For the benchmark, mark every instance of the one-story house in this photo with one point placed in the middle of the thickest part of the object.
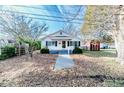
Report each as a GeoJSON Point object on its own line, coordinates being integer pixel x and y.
{"type": "Point", "coordinates": [60, 40]}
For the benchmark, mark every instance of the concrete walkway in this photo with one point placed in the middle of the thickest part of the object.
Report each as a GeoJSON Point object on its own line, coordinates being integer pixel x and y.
{"type": "Point", "coordinates": [64, 61]}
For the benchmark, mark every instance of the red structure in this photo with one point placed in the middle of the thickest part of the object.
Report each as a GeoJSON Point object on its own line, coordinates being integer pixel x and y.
{"type": "Point", "coordinates": [95, 45]}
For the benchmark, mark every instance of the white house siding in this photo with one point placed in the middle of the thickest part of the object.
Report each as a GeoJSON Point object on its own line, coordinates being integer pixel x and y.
{"type": "Point", "coordinates": [59, 38]}
{"type": "Point", "coordinates": [59, 45]}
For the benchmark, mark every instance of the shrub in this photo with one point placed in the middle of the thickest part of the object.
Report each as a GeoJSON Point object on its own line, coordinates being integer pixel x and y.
{"type": "Point", "coordinates": [44, 51]}
{"type": "Point", "coordinates": [7, 52]}
{"type": "Point", "coordinates": [37, 45]}
{"type": "Point", "coordinates": [77, 51]}
{"type": "Point", "coordinates": [3, 56]}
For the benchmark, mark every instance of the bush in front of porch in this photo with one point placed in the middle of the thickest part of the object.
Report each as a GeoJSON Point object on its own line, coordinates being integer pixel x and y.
{"type": "Point", "coordinates": [44, 51]}
{"type": "Point", "coordinates": [77, 50]}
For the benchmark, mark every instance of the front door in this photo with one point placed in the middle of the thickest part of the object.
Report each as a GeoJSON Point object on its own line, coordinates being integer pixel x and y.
{"type": "Point", "coordinates": [63, 44]}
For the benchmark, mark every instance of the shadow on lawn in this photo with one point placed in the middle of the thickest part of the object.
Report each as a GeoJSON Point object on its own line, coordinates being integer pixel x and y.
{"type": "Point", "coordinates": [108, 80]}
{"type": "Point", "coordinates": [99, 54]}
{"type": "Point", "coordinates": [103, 73]}
{"type": "Point", "coordinates": [103, 78]}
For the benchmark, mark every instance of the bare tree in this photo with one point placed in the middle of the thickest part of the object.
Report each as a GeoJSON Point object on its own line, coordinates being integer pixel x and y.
{"type": "Point", "coordinates": [73, 30]}
{"type": "Point", "coordinates": [24, 29]}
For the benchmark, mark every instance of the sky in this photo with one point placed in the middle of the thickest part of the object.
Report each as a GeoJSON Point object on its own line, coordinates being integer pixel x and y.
{"type": "Point", "coordinates": [50, 14]}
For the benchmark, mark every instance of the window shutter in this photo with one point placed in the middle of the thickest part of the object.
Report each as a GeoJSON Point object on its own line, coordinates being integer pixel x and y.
{"type": "Point", "coordinates": [55, 43]}
{"type": "Point", "coordinates": [46, 43]}
{"type": "Point", "coordinates": [79, 43]}
{"type": "Point", "coordinates": [68, 43]}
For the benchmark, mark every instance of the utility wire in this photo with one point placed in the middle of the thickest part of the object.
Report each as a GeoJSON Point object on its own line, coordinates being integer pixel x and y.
{"type": "Point", "coordinates": [68, 19]}
{"type": "Point", "coordinates": [44, 18]}
{"type": "Point", "coordinates": [74, 18]}
{"type": "Point", "coordinates": [53, 20]}
{"type": "Point", "coordinates": [78, 19]}
{"type": "Point", "coordinates": [49, 9]}
{"type": "Point", "coordinates": [42, 9]}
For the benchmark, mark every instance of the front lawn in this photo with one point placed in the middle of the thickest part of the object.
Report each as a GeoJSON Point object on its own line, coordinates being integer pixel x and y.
{"type": "Point", "coordinates": [101, 66]}
{"type": "Point", "coordinates": [91, 69]}
{"type": "Point", "coordinates": [101, 53]}
{"type": "Point", "coordinates": [13, 72]}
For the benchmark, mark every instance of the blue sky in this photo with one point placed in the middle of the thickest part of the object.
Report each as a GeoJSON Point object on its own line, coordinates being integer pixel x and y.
{"type": "Point", "coordinates": [64, 12]}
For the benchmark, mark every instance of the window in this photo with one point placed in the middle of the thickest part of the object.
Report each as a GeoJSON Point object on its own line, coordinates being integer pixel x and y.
{"type": "Point", "coordinates": [10, 41]}
{"type": "Point", "coordinates": [71, 43]}
{"type": "Point", "coordinates": [60, 33]}
{"type": "Point", "coordinates": [48, 43]}
{"type": "Point", "coordinates": [51, 43]}
{"type": "Point", "coordinates": [75, 43]}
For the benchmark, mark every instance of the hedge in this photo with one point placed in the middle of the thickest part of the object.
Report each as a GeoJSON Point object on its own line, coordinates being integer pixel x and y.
{"type": "Point", "coordinates": [44, 51]}
{"type": "Point", "coordinates": [77, 51]}
{"type": "Point", "coordinates": [7, 52]}
{"type": "Point", "coordinates": [3, 56]}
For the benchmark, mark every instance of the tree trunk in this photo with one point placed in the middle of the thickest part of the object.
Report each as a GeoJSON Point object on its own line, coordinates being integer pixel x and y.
{"type": "Point", "coordinates": [19, 49]}
{"type": "Point", "coordinates": [119, 44]}
{"type": "Point", "coordinates": [31, 51]}
{"type": "Point", "coordinates": [120, 52]}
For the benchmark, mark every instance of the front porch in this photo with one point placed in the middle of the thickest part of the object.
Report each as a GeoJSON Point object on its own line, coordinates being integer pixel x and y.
{"type": "Point", "coordinates": [61, 51]}
{"type": "Point", "coordinates": [62, 45]}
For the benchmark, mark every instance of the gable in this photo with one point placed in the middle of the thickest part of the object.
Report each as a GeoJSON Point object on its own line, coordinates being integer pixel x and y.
{"type": "Point", "coordinates": [60, 34]}
{"type": "Point", "coordinates": [57, 35]}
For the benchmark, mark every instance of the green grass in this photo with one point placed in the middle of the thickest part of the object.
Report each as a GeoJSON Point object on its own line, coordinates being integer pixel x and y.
{"type": "Point", "coordinates": [101, 53]}
{"type": "Point", "coordinates": [114, 83]}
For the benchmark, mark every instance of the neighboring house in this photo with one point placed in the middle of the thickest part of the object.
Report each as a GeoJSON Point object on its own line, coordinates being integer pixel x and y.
{"type": "Point", "coordinates": [103, 45]}
{"type": "Point", "coordinates": [107, 45]}
{"type": "Point", "coordinates": [5, 42]}
{"type": "Point", "coordinates": [60, 41]}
